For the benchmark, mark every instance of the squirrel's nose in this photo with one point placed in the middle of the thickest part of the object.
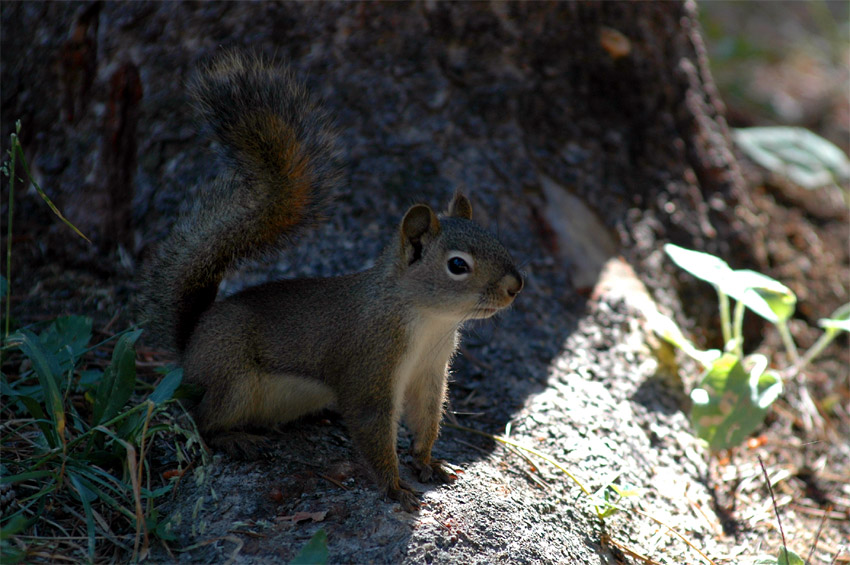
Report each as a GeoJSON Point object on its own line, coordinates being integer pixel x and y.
{"type": "Point", "coordinates": [512, 283]}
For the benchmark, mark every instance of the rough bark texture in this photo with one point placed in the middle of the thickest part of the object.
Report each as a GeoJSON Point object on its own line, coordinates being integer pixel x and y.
{"type": "Point", "coordinates": [551, 115]}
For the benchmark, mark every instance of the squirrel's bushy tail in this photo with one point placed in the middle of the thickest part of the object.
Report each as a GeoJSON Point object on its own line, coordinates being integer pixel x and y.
{"type": "Point", "coordinates": [281, 169]}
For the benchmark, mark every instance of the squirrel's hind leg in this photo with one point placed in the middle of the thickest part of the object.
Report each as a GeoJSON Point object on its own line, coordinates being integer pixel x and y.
{"type": "Point", "coordinates": [221, 417]}
{"type": "Point", "coordinates": [241, 445]}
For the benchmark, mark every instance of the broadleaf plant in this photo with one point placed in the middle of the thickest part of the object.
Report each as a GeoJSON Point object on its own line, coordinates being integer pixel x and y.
{"type": "Point", "coordinates": [88, 457]}
{"type": "Point", "coordinates": [735, 391]}
{"type": "Point", "coordinates": [730, 402]}
{"type": "Point", "coordinates": [804, 157]}
{"type": "Point", "coordinates": [315, 552]}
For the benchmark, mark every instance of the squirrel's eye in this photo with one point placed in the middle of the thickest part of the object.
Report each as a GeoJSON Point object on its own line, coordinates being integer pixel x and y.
{"type": "Point", "coordinates": [458, 266]}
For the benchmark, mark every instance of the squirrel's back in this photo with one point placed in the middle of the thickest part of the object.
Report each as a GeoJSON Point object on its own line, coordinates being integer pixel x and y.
{"type": "Point", "coordinates": [280, 170]}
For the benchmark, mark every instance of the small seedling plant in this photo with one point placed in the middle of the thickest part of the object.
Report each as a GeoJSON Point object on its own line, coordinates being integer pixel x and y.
{"type": "Point", "coordinates": [736, 390]}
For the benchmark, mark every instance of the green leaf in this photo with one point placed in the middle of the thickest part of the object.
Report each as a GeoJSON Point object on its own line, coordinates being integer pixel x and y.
{"type": "Point", "coordinates": [668, 330]}
{"type": "Point", "coordinates": [15, 526]}
{"type": "Point", "coordinates": [160, 528]}
{"type": "Point", "coordinates": [11, 555]}
{"type": "Point", "coordinates": [703, 266]}
{"type": "Point", "coordinates": [604, 510]}
{"type": "Point", "coordinates": [118, 380]}
{"type": "Point", "coordinates": [47, 369]}
{"type": "Point", "coordinates": [34, 408]}
{"type": "Point", "coordinates": [606, 503]}
{"type": "Point", "coordinates": [764, 295]}
{"type": "Point", "coordinates": [838, 321]}
{"type": "Point", "coordinates": [69, 335]}
{"type": "Point", "coordinates": [729, 404]}
{"type": "Point", "coordinates": [788, 557]}
{"type": "Point", "coordinates": [315, 552]}
{"type": "Point", "coordinates": [89, 378]}
{"type": "Point", "coordinates": [156, 493]}
{"type": "Point", "coordinates": [626, 490]}
{"type": "Point", "coordinates": [166, 387]}
{"type": "Point", "coordinates": [796, 153]}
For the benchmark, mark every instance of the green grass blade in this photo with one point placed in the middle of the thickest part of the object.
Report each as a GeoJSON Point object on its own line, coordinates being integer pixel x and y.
{"type": "Point", "coordinates": [48, 372]}
{"type": "Point", "coordinates": [8, 293]}
{"type": "Point", "coordinates": [17, 147]}
{"type": "Point", "coordinates": [86, 496]}
{"type": "Point", "coordinates": [107, 340]}
{"type": "Point", "coordinates": [104, 478]}
{"type": "Point", "coordinates": [27, 476]}
{"type": "Point", "coordinates": [112, 489]}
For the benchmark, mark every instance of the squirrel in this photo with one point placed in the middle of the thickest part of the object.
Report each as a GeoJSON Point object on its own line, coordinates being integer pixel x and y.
{"type": "Point", "coordinates": [376, 344]}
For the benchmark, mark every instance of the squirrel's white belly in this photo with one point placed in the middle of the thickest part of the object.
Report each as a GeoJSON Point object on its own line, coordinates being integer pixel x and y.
{"type": "Point", "coordinates": [431, 345]}
{"type": "Point", "coordinates": [288, 397]}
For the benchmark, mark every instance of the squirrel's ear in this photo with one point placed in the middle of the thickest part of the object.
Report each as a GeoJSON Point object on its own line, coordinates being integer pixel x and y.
{"type": "Point", "coordinates": [419, 221]}
{"type": "Point", "coordinates": [460, 207]}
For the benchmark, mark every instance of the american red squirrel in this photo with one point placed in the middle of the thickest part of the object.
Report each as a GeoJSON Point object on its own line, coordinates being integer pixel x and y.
{"type": "Point", "coordinates": [377, 343]}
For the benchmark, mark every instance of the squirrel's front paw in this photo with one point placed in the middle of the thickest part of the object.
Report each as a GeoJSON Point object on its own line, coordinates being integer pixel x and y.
{"type": "Point", "coordinates": [405, 496]}
{"type": "Point", "coordinates": [436, 470]}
